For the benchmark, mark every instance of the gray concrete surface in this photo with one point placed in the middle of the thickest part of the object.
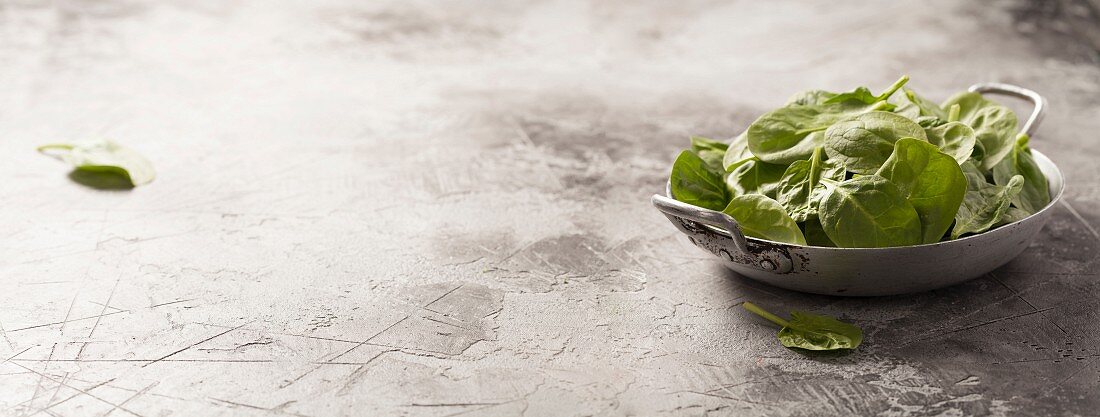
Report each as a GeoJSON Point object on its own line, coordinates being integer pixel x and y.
{"type": "Point", "coordinates": [416, 208]}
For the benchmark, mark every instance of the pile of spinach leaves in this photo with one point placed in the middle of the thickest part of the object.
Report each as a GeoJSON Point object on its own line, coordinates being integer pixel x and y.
{"type": "Point", "coordinates": [864, 170]}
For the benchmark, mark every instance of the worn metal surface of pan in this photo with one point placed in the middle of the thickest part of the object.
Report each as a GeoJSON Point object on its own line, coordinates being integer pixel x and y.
{"type": "Point", "coordinates": [870, 271]}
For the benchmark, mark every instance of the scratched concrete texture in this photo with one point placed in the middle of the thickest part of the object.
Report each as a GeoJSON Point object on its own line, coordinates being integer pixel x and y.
{"type": "Point", "coordinates": [441, 208]}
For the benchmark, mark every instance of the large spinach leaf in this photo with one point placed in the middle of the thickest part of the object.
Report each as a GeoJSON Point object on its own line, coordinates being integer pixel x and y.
{"type": "Point", "coordinates": [811, 331]}
{"type": "Point", "coordinates": [1035, 193]}
{"type": "Point", "coordinates": [800, 188]}
{"type": "Point", "coordinates": [994, 125]}
{"type": "Point", "coordinates": [755, 177]}
{"type": "Point", "coordinates": [762, 217]}
{"type": "Point", "coordinates": [984, 204]}
{"type": "Point", "coordinates": [696, 182]}
{"type": "Point", "coordinates": [863, 142]}
{"type": "Point", "coordinates": [869, 212]}
{"type": "Point", "coordinates": [792, 132]}
{"type": "Point", "coordinates": [737, 153]}
{"type": "Point", "coordinates": [930, 180]}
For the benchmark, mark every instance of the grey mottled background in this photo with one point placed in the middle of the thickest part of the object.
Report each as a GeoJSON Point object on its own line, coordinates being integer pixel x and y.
{"type": "Point", "coordinates": [441, 208]}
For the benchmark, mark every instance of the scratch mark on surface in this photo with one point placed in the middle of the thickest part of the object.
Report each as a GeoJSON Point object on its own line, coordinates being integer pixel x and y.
{"type": "Point", "coordinates": [66, 321]}
{"type": "Point", "coordinates": [15, 355]}
{"type": "Point", "coordinates": [42, 376]}
{"type": "Point", "coordinates": [136, 394]}
{"type": "Point", "coordinates": [374, 336]}
{"type": "Point", "coordinates": [51, 405]}
{"type": "Point", "coordinates": [106, 304]}
{"type": "Point", "coordinates": [6, 338]}
{"type": "Point", "coordinates": [444, 295]}
{"type": "Point", "coordinates": [726, 397]}
{"type": "Point", "coordinates": [85, 392]}
{"type": "Point", "coordinates": [277, 409]}
{"type": "Point", "coordinates": [64, 379]}
{"type": "Point", "coordinates": [1021, 297]}
{"type": "Point", "coordinates": [997, 320]}
{"type": "Point", "coordinates": [194, 344]}
{"type": "Point", "coordinates": [488, 407]}
{"type": "Point", "coordinates": [171, 302]}
{"type": "Point", "coordinates": [1074, 212]}
{"type": "Point", "coordinates": [358, 373]}
{"type": "Point", "coordinates": [68, 313]}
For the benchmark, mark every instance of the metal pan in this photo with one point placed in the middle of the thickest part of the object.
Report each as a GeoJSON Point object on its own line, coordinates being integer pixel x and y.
{"type": "Point", "coordinates": [869, 271]}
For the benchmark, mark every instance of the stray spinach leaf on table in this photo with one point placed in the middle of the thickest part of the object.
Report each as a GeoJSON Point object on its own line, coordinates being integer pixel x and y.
{"type": "Point", "coordinates": [104, 156]}
{"type": "Point", "coordinates": [811, 331]}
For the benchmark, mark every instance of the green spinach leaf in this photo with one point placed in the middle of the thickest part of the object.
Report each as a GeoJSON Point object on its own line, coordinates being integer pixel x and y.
{"type": "Point", "coordinates": [792, 132]}
{"type": "Point", "coordinates": [953, 138]}
{"type": "Point", "coordinates": [1035, 193]}
{"type": "Point", "coordinates": [696, 182]}
{"type": "Point", "coordinates": [815, 235]}
{"type": "Point", "coordinates": [994, 125]}
{"type": "Point", "coordinates": [864, 95]}
{"type": "Point", "coordinates": [755, 177]}
{"type": "Point", "coordinates": [104, 156]}
{"type": "Point", "coordinates": [737, 153]}
{"type": "Point", "coordinates": [762, 217]}
{"type": "Point", "coordinates": [811, 97]}
{"type": "Point", "coordinates": [869, 212]}
{"type": "Point", "coordinates": [862, 143]}
{"type": "Point", "coordinates": [811, 331]}
{"type": "Point", "coordinates": [930, 180]}
{"type": "Point", "coordinates": [710, 150]}
{"type": "Point", "coordinates": [924, 106]}
{"type": "Point", "coordinates": [985, 204]}
{"type": "Point", "coordinates": [800, 188]}
{"type": "Point", "coordinates": [1012, 215]}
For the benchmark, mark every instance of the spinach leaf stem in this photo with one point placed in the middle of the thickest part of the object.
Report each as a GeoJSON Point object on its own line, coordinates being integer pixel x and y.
{"type": "Point", "coordinates": [754, 309]}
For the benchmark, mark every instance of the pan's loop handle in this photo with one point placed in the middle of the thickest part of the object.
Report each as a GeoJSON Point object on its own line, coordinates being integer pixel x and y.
{"type": "Point", "coordinates": [1037, 100]}
{"type": "Point", "coordinates": [700, 215]}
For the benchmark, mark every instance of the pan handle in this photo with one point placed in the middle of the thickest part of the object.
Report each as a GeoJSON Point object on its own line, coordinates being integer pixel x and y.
{"type": "Point", "coordinates": [1011, 90]}
{"type": "Point", "coordinates": [701, 215]}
